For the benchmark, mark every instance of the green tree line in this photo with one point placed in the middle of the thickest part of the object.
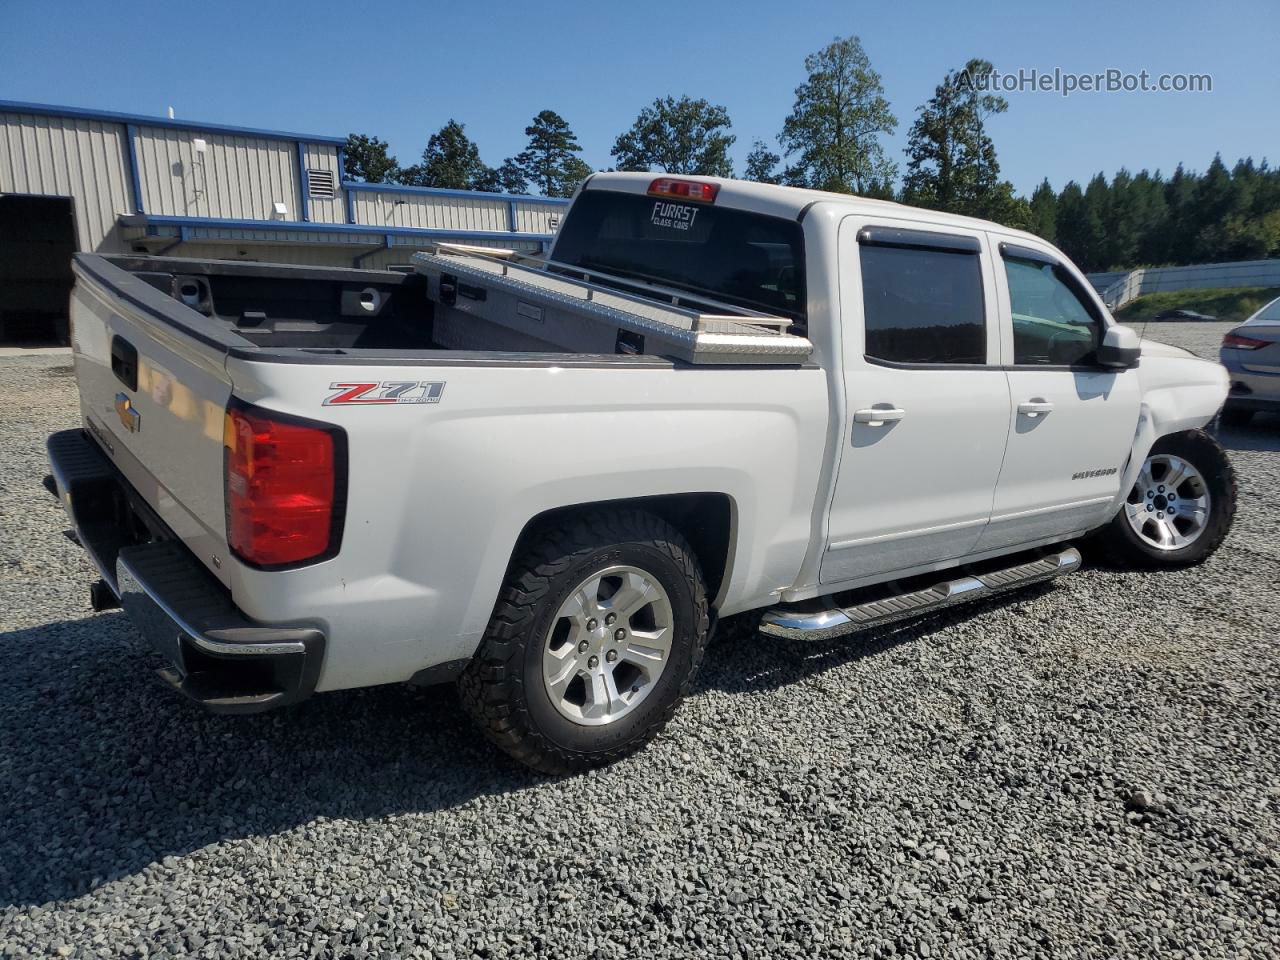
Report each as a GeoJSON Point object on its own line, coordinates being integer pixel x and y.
{"type": "Point", "coordinates": [833, 140]}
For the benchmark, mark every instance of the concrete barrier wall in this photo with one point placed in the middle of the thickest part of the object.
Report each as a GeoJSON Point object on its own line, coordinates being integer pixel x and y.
{"type": "Point", "coordinates": [1117, 289]}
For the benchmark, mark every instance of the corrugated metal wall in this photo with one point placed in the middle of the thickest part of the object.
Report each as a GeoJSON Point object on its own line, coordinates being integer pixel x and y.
{"type": "Point", "coordinates": [534, 217]}
{"type": "Point", "coordinates": [429, 211]}
{"type": "Point", "coordinates": [234, 178]}
{"type": "Point", "coordinates": [68, 157]}
{"type": "Point", "coordinates": [324, 156]}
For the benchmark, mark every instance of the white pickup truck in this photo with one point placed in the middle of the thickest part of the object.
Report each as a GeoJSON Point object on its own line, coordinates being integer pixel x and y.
{"type": "Point", "coordinates": [548, 479]}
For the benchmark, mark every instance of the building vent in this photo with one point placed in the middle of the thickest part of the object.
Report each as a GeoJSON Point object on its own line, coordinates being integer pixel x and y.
{"type": "Point", "coordinates": [321, 184]}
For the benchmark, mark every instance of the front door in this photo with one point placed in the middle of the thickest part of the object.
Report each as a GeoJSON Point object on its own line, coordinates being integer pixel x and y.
{"type": "Point", "coordinates": [1071, 422]}
{"type": "Point", "coordinates": [926, 400]}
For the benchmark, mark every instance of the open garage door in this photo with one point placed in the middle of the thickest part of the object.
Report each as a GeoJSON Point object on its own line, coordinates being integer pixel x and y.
{"type": "Point", "coordinates": [37, 239]}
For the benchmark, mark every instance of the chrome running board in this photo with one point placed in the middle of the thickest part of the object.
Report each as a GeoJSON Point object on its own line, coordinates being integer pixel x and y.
{"type": "Point", "coordinates": [797, 622]}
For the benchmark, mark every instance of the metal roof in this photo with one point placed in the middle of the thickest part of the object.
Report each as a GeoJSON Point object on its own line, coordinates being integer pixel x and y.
{"type": "Point", "coordinates": [109, 116]}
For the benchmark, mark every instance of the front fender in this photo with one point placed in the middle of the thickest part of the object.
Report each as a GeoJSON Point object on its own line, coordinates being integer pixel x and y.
{"type": "Point", "coordinates": [1179, 392]}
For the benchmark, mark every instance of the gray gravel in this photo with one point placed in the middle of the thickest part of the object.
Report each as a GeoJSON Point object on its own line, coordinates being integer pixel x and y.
{"type": "Point", "coordinates": [1090, 769]}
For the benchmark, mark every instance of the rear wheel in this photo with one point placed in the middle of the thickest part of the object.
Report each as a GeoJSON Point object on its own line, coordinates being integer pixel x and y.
{"type": "Point", "coordinates": [597, 635]}
{"type": "Point", "coordinates": [1180, 507]}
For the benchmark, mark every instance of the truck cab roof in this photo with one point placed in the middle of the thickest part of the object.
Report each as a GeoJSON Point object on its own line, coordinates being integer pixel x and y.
{"type": "Point", "coordinates": [793, 202]}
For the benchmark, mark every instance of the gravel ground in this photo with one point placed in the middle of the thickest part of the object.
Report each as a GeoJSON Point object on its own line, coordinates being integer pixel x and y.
{"type": "Point", "coordinates": [1090, 769]}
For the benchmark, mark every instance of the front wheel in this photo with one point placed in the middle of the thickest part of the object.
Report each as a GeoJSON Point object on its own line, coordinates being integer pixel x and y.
{"type": "Point", "coordinates": [596, 637]}
{"type": "Point", "coordinates": [1180, 507]}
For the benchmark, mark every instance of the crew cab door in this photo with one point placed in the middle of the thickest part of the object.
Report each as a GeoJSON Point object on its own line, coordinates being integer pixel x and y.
{"type": "Point", "coordinates": [926, 401]}
{"type": "Point", "coordinates": [1072, 422]}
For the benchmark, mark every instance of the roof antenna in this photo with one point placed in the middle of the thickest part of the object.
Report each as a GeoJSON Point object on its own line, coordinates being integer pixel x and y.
{"type": "Point", "coordinates": [171, 113]}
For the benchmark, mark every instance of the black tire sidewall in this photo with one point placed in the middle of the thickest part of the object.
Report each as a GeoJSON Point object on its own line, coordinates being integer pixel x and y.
{"type": "Point", "coordinates": [559, 730]}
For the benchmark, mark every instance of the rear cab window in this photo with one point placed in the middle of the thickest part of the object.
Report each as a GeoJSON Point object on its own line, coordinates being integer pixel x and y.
{"type": "Point", "coordinates": [747, 259]}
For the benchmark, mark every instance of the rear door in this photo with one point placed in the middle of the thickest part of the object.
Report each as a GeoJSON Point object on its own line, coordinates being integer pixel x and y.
{"type": "Point", "coordinates": [1071, 422]}
{"type": "Point", "coordinates": [926, 401]}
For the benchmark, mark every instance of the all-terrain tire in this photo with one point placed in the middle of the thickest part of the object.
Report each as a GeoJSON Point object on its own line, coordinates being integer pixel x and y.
{"type": "Point", "coordinates": [1123, 544]}
{"type": "Point", "coordinates": [503, 689]}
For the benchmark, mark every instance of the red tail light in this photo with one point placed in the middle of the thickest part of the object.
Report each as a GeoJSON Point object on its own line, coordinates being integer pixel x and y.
{"type": "Point", "coordinates": [684, 189]}
{"type": "Point", "coordinates": [284, 483]}
{"type": "Point", "coordinates": [1243, 343]}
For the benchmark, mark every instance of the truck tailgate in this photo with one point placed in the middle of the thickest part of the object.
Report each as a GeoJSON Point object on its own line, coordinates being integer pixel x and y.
{"type": "Point", "coordinates": [153, 393]}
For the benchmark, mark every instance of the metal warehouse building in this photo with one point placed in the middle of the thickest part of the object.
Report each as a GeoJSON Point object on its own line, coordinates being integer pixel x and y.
{"type": "Point", "coordinates": [90, 180]}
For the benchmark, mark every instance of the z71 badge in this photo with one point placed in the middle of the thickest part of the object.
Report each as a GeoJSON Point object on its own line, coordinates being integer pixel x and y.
{"type": "Point", "coordinates": [388, 391]}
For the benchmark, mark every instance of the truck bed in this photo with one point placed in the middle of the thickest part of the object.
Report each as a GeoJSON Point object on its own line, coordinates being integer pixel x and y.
{"type": "Point", "coordinates": [486, 305]}
{"type": "Point", "coordinates": [274, 305]}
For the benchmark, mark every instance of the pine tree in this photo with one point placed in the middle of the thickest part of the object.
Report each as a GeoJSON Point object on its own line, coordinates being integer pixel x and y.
{"type": "Point", "coordinates": [951, 161]}
{"type": "Point", "coordinates": [1211, 205]}
{"type": "Point", "coordinates": [762, 164]}
{"type": "Point", "coordinates": [835, 126]}
{"type": "Point", "coordinates": [575, 172]}
{"type": "Point", "coordinates": [1078, 226]}
{"type": "Point", "coordinates": [682, 136]}
{"type": "Point", "coordinates": [1097, 199]}
{"type": "Point", "coordinates": [1119, 222]}
{"type": "Point", "coordinates": [1044, 212]}
{"type": "Point", "coordinates": [450, 160]}
{"type": "Point", "coordinates": [366, 159]}
{"type": "Point", "coordinates": [1182, 228]}
{"type": "Point", "coordinates": [508, 178]}
{"type": "Point", "coordinates": [550, 161]}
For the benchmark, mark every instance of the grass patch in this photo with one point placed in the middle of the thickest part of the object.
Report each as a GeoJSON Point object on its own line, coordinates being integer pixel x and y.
{"type": "Point", "coordinates": [1230, 305]}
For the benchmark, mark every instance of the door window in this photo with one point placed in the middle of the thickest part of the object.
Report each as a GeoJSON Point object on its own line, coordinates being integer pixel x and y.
{"type": "Point", "coordinates": [1052, 323]}
{"type": "Point", "coordinates": [923, 305]}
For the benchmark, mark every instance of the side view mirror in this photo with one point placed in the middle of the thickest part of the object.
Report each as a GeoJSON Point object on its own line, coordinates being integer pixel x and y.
{"type": "Point", "coordinates": [1121, 347]}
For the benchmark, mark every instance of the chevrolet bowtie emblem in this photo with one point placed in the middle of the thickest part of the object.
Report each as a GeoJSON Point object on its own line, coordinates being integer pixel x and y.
{"type": "Point", "coordinates": [130, 417]}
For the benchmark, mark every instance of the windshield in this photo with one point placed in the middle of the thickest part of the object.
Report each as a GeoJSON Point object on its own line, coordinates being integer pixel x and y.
{"type": "Point", "coordinates": [749, 259]}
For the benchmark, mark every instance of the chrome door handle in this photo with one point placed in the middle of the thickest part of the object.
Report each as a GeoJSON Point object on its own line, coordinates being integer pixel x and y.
{"type": "Point", "coordinates": [878, 416]}
{"type": "Point", "coordinates": [1034, 408]}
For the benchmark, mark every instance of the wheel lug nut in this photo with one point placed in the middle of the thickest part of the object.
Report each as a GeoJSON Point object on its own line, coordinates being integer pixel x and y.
{"type": "Point", "coordinates": [1160, 488]}
{"type": "Point", "coordinates": [1159, 516]}
{"type": "Point", "coordinates": [592, 623]}
{"type": "Point", "coordinates": [593, 662]}
{"type": "Point", "coordinates": [1151, 493]}
{"type": "Point", "coordinates": [611, 656]}
{"type": "Point", "coordinates": [610, 620]}
{"type": "Point", "coordinates": [619, 634]}
{"type": "Point", "coordinates": [582, 647]}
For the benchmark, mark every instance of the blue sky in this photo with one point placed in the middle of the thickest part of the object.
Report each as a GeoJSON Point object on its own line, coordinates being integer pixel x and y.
{"type": "Point", "coordinates": [399, 70]}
